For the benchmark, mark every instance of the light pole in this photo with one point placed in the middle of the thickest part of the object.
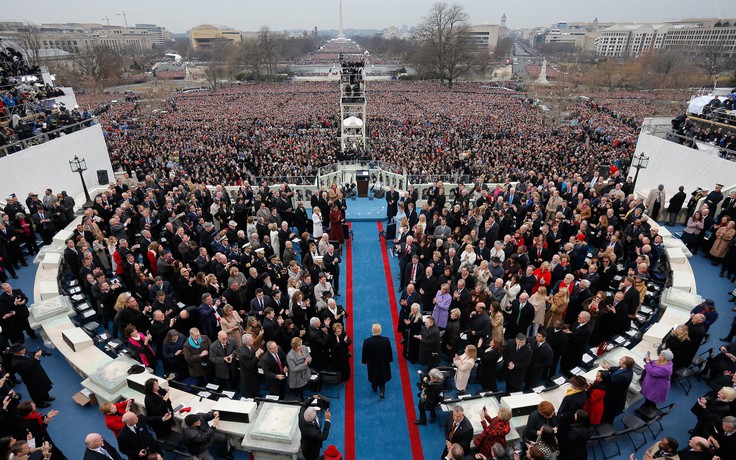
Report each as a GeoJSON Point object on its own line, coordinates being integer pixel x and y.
{"type": "Point", "coordinates": [640, 161]}
{"type": "Point", "coordinates": [78, 165]}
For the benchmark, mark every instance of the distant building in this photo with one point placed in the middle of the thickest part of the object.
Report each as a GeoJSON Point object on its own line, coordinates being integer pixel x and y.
{"type": "Point", "coordinates": [486, 36]}
{"type": "Point", "coordinates": [76, 37]}
{"type": "Point", "coordinates": [205, 35]}
{"type": "Point", "coordinates": [691, 35]}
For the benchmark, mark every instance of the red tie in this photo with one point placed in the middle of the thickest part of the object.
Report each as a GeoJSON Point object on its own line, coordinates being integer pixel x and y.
{"type": "Point", "coordinates": [414, 273]}
{"type": "Point", "coordinates": [281, 367]}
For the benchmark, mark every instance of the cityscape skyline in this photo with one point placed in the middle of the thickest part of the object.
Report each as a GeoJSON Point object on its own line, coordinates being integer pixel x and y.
{"type": "Point", "coordinates": [370, 14]}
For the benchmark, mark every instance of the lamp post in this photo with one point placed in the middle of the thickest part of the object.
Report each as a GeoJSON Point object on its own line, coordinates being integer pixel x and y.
{"type": "Point", "coordinates": [640, 161]}
{"type": "Point", "coordinates": [78, 165]}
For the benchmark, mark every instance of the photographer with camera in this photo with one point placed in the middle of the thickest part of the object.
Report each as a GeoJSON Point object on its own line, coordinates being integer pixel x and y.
{"type": "Point", "coordinates": [430, 395]}
{"type": "Point", "coordinates": [31, 372]}
{"type": "Point", "coordinates": [199, 435]}
{"type": "Point", "coordinates": [312, 436]}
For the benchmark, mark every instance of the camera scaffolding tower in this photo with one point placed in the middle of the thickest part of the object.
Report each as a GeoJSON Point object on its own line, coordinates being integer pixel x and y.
{"type": "Point", "coordinates": [352, 105]}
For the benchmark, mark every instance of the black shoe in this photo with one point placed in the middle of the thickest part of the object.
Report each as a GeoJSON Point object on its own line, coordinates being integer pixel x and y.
{"type": "Point", "coordinates": [43, 405]}
{"type": "Point", "coordinates": [24, 263]}
{"type": "Point", "coordinates": [721, 274]}
{"type": "Point", "coordinates": [17, 267]}
{"type": "Point", "coordinates": [732, 299]}
{"type": "Point", "coordinates": [33, 335]}
{"type": "Point", "coordinates": [707, 337]}
{"type": "Point", "coordinates": [374, 388]}
{"type": "Point", "coordinates": [724, 339]}
{"type": "Point", "coordinates": [690, 431]}
{"type": "Point", "coordinates": [15, 277]}
{"type": "Point", "coordinates": [383, 395]}
{"type": "Point", "coordinates": [51, 398]}
{"type": "Point", "coordinates": [420, 422]}
{"type": "Point", "coordinates": [432, 419]}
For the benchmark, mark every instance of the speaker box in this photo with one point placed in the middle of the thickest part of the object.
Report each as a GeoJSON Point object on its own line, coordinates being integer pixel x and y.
{"type": "Point", "coordinates": [102, 177]}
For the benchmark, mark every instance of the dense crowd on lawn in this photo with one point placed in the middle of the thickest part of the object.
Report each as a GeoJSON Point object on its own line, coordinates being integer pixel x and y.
{"type": "Point", "coordinates": [291, 129]}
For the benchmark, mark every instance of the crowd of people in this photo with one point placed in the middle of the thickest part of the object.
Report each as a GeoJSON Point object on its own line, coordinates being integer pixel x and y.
{"type": "Point", "coordinates": [521, 279]}
{"type": "Point", "coordinates": [150, 244]}
{"type": "Point", "coordinates": [420, 125]}
{"type": "Point", "coordinates": [524, 268]}
{"type": "Point", "coordinates": [23, 113]}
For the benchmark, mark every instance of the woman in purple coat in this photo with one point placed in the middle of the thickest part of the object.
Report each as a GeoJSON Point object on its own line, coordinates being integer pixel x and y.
{"type": "Point", "coordinates": [655, 379]}
{"type": "Point", "coordinates": [442, 302]}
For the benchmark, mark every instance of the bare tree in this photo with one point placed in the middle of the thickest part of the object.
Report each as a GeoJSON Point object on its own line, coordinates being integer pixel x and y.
{"type": "Point", "coordinates": [99, 65]}
{"type": "Point", "coordinates": [269, 50]}
{"type": "Point", "coordinates": [220, 56]}
{"type": "Point", "coordinates": [442, 38]}
{"type": "Point", "coordinates": [30, 41]}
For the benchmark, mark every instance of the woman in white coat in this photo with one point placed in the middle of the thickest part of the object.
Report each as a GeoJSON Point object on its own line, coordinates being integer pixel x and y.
{"type": "Point", "coordinates": [317, 223]}
{"type": "Point", "coordinates": [512, 289]}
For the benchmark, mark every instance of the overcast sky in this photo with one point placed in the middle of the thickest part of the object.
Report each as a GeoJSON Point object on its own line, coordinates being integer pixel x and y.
{"type": "Point", "coordinates": [182, 15]}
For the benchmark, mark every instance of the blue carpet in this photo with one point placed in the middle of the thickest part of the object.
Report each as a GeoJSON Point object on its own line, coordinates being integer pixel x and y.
{"type": "Point", "coordinates": [375, 419]}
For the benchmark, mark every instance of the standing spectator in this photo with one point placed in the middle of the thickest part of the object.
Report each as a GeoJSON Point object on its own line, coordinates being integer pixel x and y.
{"type": "Point", "coordinates": [655, 379]}
{"type": "Point", "coordinates": [692, 230]}
{"type": "Point", "coordinates": [298, 361]}
{"type": "Point", "coordinates": [222, 357]}
{"type": "Point", "coordinates": [430, 396]}
{"type": "Point", "coordinates": [617, 391]}
{"type": "Point", "coordinates": [33, 375]}
{"type": "Point", "coordinates": [594, 405]}
{"type": "Point", "coordinates": [339, 345]}
{"type": "Point", "coordinates": [196, 350]}
{"type": "Point", "coordinates": [573, 401]}
{"type": "Point", "coordinates": [517, 356]}
{"type": "Point", "coordinates": [274, 369]}
{"type": "Point", "coordinates": [676, 202]}
{"type": "Point", "coordinates": [14, 314]}
{"type": "Point", "coordinates": [429, 344]}
{"type": "Point", "coordinates": [574, 440]}
{"type": "Point", "coordinates": [248, 357]}
{"type": "Point", "coordinates": [312, 436]}
{"type": "Point", "coordinates": [542, 356]}
{"type": "Point", "coordinates": [458, 430]}
{"type": "Point", "coordinates": [378, 356]}
{"type": "Point", "coordinates": [135, 440]}
{"type": "Point", "coordinates": [98, 449]}
{"type": "Point", "coordinates": [654, 203]}
{"type": "Point", "coordinates": [199, 435]}
{"type": "Point", "coordinates": [578, 337]}
{"type": "Point", "coordinates": [464, 364]}
{"type": "Point", "coordinates": [442, 301]}
{"type": "Point", "coordinates": [494, 430]}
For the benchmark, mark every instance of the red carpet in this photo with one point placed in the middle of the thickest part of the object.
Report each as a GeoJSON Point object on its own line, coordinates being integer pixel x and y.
{"type": "Point", "coordinates": [350, 385]}
{"type": "Point", "coordinates": [416, 444]}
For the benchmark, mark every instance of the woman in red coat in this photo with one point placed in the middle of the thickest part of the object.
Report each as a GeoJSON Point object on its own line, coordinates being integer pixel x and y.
{"type": "Point", "coordinates": [113, 413]}
{"type": "Point", "coordinates": [494, 430]}
{"type": "Point", "coordinates": [596, 393]}
{"type": "Point", "coordinates": [336, 221]}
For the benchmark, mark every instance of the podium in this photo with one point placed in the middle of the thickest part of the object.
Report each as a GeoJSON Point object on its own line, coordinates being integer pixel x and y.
{"type": "Point", "coordinates": [362, 178]}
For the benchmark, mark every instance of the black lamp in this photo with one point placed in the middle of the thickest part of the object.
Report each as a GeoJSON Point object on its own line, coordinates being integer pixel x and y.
{"type": "Point", "coordinates": [640, 161]}
{"type": "Point", "coordinates": [78, 165]}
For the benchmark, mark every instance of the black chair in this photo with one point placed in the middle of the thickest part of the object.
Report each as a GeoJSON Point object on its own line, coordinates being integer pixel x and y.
{"type": "Point", "coordinates": [634, 424]}
{"type": "Point", "coordinates": [594, 441]}
{"type": "Point", "coordinates": [609, 434]}
{"type": "Point", "coordinates": [172, 444]}
{"type": "Point", "coordinates": [332, 378]}
{"type": "Point", "coordinates": [652, 415]}
{"type": "Point", "coordinates": [682, 376]}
